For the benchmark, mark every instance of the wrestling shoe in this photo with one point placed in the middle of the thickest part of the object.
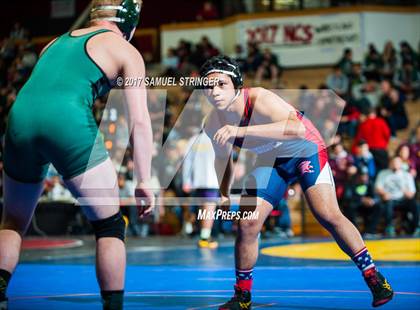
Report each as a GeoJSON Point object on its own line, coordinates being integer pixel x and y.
{"type": "Point", "coordinates": [240, 301]}
{"type": "Point", "coordinates": [207, 243]}
{"type": "Point", "coordinates": [379, 286]}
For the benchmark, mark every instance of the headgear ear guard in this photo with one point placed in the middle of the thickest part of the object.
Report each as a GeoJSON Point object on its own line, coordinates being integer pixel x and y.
{"type": "Point", "coordinates": [127, 17]}
{"type": "Point", "coordinates": [226, 65]}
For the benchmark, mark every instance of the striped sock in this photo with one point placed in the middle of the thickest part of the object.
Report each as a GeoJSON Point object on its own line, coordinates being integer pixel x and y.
{"type": "Point", "coordinates": [244, 279]}
{"type": "Point", "coordinates": [363, 260]}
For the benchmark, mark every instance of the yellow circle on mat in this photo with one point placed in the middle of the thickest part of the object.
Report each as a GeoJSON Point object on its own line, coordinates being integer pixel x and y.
{"type": "Point", "coordinates": [385, 250]}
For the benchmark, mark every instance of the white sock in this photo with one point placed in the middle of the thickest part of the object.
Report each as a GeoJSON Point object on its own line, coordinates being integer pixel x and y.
{"type": "Point", "coordinates": [205, 233]}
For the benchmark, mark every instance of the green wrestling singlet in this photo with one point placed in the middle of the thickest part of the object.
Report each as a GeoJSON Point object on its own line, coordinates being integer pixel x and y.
{"type": "Point", "coordinates": [51, 120]}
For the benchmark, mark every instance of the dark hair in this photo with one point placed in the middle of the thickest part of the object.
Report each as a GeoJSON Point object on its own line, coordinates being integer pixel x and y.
{"type": "Point", "coordinates": [223, 64]}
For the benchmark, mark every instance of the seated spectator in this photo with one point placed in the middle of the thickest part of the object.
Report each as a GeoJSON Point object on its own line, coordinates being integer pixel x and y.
{"type": "Point", "coordinates": [357, 80]}
{"type": "Point", "coordinates": [338, 82]}
{"type": "Point", "coordinates": [375, 131]}
{"type": "Point", "coordinates": [392, 108]}
{"type": "Point", "coordinates": [254, 58]}
{"type": "Point", "coordinates": [370, 95]}
{"type": "Point", "coordinates": [349, 120]}
{"type": "Point", "coordinates": [306, 101]}
{"type": "Point", "coordinates": [342, 168]}
{"type": "Point", "coordinates": [360, 199]}
{"type": "Point", "coordinates": [269, 67]}
{"type": "Point", "coordinates": [407, 53]}
{"type": "Point", "coordinates": [407, 162]}
{"type": "Point", "coordinates": [209, 50]}
{"type": "Point", "coordinates": [364, 158]}
{"type": "Point", "coordinates": [407, 80]}
{"type": "Point", "coordinates": [372, 63]}
{"type": "Point", "coordinates": [207, 12]}
{"type": "Point", "coordinates": [346, 62]}
{"type": "Point", "coordinates": [414, 146]}
{"type": "Point", "coordinates": [186, 68]}
{"type": "Point", "coordinates": [184, 49]}
{"type": "Point", "coordinates": [389, 62]}
{"type": "Point", "coordinates": [396, 188]}
{"type": "Point", "coordinates": [170, 62]}
{"type": "Point", "coordinates": [240, 57]}
{"type": "Point", "coordinates": [325, 112]}
{"type": "Point", "coordinates": [18, 32]}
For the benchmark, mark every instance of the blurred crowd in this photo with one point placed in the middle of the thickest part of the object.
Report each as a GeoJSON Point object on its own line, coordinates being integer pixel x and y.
{"type": "Point", "coordinates": [187, 58]}
{"type": "Point", "coordinates": [376, 187]}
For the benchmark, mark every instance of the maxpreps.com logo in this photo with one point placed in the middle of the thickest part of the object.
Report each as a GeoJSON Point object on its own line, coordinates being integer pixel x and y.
{"type": "Point", "coordinates": [306, 167]}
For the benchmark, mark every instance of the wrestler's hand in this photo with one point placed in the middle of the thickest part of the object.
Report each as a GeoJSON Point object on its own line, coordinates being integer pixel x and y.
{"type": "Point", "coordinates": [145, 199]}
{"type": "Point", "coordinates": [228, 132]}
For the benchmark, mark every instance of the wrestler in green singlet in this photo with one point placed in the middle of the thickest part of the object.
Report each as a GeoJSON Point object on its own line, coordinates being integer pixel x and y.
{"type": "Point", "coordinates": [51, 120]}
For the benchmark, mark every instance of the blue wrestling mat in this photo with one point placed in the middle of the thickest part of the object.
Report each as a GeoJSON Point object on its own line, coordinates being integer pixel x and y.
{"type": "Point", "coordinates": [279, 283]}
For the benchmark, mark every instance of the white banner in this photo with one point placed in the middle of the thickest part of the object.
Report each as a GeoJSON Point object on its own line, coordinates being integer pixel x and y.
{"type": "Point", "coordinates": [304, 40]}
{"type": "Point", "coordinates": [307, 40]}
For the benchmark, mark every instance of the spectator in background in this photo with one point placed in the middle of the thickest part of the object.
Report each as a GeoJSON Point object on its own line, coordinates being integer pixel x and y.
{"type": "Point", "coordinates": [240, 57]}
{"type": "Point", "coordinates": [371, 94]}
{"type": "Point", "coordinates": [18, 32]}
{"type": "Point", "coordinates": [407, 162]}
{"type": "Point", "coordinates": [207, 12]}
{"type": "Point", "coordinates": [392, 108]}
{"type": "Point", "coordinates": [254, 58]}
{"type": "Point", "coordinates": [407, 53]}
{"type": "Point", "coordinates": [338, 82]}
{"type": "Point", "coordinates": [278, 223]}
{"type": "Point", "coordinates": [342, 167]}
{"type": "Point", "coordinates": [186, 68]}
{"type": "Point", "coordinates": [396, 188]}
{"type": "Point", "coordinates": [389, 61]}
{"type": "Point", "coordinates": [407, 80]}
{"type": "Point", "coordinates": [306, 101]}
{"type": "Point", "coordinates": [269, 67]}
{"type": "Point", "coordinates": [8, 51]}
{"type": "Point", "coordinates": [209, 49]}
{"type": "Point", "coordinates": [414, 146]}
{"type": "Point", "coordinates": [346, 62]}
{"type": "Point", "coordinates": [184, 49]}
{"type": "Point", "coordinates": [326, 112]}
{"type": "Point", "coordinates": [170, 63]}
{"type": "Point", "coordinates": [364, 158]}
{"type": "Point", "coordinates": [56, 191]}
{"type": "Point", "coordinates": [349, 119]}
{"type": "Point", "coordinates": [357, 80]}
{"type": "Point", "coordinates": [284, 221]}
{"type": "Point", "coordinates": [372, 63]}
{"type": "Point", "coordinates": [126, 192]}
{"type": "Point", "coordinates": [360, 199]}
{"type": "Point", "coordinates": [197, 57]}
{"type": "Point", "coordinates": [375, 131]}
{"type": "Point", "coordinates": [199, 178]}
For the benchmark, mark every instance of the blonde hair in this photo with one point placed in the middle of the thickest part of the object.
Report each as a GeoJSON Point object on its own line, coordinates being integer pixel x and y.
{"type": "Point", "coordinates": [97, 14]}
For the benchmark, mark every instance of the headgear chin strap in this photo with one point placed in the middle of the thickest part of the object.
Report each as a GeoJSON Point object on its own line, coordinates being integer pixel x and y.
{"type": "Point", "coordinates": [127, 17]}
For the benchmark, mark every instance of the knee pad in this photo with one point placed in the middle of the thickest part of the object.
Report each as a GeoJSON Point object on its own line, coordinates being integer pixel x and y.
{"type": "Point", "coordinates": [113, 226]}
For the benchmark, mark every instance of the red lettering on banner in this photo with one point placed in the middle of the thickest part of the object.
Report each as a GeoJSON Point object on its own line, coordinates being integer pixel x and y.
{"type": "Point", "coordinates": [265, 34]}
{"type": "Point", "coordinates": [274, 29]}
{"type": "Point", "coordinates": [251, 35]}
{"type": "Point", "coordinates": [298, 33]}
